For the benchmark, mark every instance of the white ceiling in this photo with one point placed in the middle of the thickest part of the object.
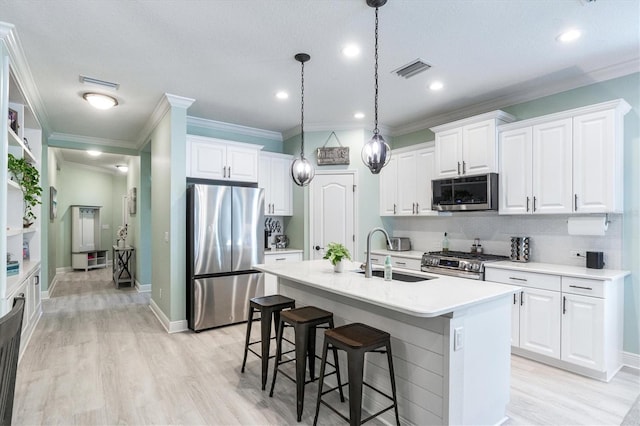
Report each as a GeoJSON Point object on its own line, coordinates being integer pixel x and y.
{"type": "Point", "coordinates": [231, 56]}
{"type": "Point", "coordinates": [106, 162]}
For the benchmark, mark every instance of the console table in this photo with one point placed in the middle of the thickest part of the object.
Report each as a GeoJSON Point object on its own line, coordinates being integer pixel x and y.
{"type": "Point", "coordinates": [123, 265]}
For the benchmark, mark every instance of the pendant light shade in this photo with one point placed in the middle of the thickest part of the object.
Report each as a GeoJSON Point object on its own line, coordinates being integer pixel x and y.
{"type": "Point", "coordinates": [302, 171]}
{"type": "Point", "coordinates": [376, 153]}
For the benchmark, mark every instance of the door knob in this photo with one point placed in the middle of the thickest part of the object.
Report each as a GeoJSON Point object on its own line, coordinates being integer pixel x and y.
{"type": "Point", "coordinates": [319, 248]}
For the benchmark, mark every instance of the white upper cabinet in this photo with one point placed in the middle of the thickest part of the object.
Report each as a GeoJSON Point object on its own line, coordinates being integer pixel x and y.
{"type": "Point", "coordinates": [274, 176]}
{"type": "Point", "coordinates": [597, 152]}
{"type": "Point", "coordinates": [389, 188]}
{"type": "Point", "coordinates": [552, 167]}
{"type": "Point", "coordinates": [569, 162]}
{"type": "Point", "coordinates": [217, 159]}
{"type": "Point", "coordinates": [468, 147]}
{"type": "Point", "coordinates": [405, 183]}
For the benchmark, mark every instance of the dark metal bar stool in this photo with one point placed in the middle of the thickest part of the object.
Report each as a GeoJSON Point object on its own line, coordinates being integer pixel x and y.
{"type": "Point", "coordinates": [269, 307]}
{"type": "Point", "coordinates": [304, 322]}
{"type": "Point", "coordinates": [356, 340]}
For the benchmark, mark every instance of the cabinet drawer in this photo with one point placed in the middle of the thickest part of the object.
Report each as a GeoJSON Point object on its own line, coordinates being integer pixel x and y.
{"type": "Point", "coordinates": [583, 286]}
{"type": "Point", "coordinates": [403, 262]}
{"type": "Point", "coordinates": [377, 259]}
{"type": "Point", "coordinates": [282, 257]}
{"type": "Point", "coordinates": [524, 279]}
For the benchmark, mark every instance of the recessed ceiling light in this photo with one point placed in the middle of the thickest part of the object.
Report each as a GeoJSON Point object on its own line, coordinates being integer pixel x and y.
{"type": "Point", "coordinates": [436, 85]}
{"type": "Point", "coordinates": [93, 153]}
{"type": "Point", "coordinates": [351, 50]}
{"type": "Point", "coordinates": [358, 115]}
{"type": "Point", "coordinates": [122, 168]}
{"type": "Point", "coordinates": [100, 101]}
{"type": "Point", "coordinates": [569, 36]}
{"type": "Point", "coordinates": [282, 95]}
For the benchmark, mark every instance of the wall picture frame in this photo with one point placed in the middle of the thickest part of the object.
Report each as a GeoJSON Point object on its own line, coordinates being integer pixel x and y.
{"type": "Point", "coordinates": [13, 120]}
{"type": "Point", "coordinates": [53, 203]}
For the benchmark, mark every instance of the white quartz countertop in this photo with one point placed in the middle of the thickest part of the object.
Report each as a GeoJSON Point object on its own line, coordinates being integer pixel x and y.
{"type": "Point", "coordinates": [566, 270]}
{"type": "Point", "coordinates": [281, 251]}
{"type": "Point", "coordinates": [430, 298]}
{"type": "Point", "coordinates": [410, 254]}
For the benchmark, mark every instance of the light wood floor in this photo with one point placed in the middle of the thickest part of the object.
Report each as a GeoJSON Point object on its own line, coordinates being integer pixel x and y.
{"type": "Point", "coordinates": [99, 356]}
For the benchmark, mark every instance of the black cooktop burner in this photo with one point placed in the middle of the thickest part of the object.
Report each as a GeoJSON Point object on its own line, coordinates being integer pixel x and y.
{"type": "Point", "coordinates": [466, 255]}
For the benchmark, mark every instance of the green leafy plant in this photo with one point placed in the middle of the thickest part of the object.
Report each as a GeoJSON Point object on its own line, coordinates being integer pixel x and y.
{"type": "Point", "coordinates": [28, 177]}
{"type": "Point", "coordinates": [336, 252]}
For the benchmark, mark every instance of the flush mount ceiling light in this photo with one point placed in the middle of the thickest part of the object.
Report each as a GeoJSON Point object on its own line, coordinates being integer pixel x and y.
{"type": "Point", "coordinates": [302, 171]}
{"type": "Point", "coordinates": [351, 50]}
{"type": "Point", "coordinates": [122, 168]}
{"type": "Point", "coordinates": [569, 36]}
{"type": "Point", "coordinates": [282, 95]}
{"type": "Point", "coordinates": [376, 153]}
{"type": "Point", "coordinates": [358, 115]}
{"type": "Point", "coordinates": [436, 85]}
{"type": "Point", "coordinates": [100, 101]}
{"type": "Point", "coordinates": [93, 153]}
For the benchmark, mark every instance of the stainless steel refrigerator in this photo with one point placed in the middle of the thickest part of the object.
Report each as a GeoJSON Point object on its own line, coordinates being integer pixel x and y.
{"type": "Point", "coordinates": [224, 239]}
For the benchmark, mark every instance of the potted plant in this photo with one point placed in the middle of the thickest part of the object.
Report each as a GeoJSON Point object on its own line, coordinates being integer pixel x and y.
{"type": "Point", "coordinates": [122, 236]}
{"type": "Point", "coordinates": [28, 177]}
{"type": "Point", "coordinates": [335, 253]}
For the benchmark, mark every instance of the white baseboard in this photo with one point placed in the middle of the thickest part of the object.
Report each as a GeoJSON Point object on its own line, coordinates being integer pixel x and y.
{"type": "Point", "coordinates": [47, 294]}
{"type": "Point", "coordinates": [170, 326]}
{"type": "Point", "coordinates": [143, 288]}
{"type": "Point", "coordinates": [64, 269]}
{"type": "Point", "coordinates": [631, 360]}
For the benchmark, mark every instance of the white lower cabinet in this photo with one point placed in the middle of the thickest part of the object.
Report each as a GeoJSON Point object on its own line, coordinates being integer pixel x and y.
{"type": "Point", "coordinates": [30, 288]}
{"type": "Point", "coordinates": [271, 281]}
{"type": "Point", "coordinates": [583, 331]}
{"type": "Point", "coordinates": [540, 322]}
{"type": "Point", "coordinates": [571, 323]}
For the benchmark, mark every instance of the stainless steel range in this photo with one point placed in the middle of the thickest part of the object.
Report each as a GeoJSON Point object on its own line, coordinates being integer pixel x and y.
{"type": "Point", "coordinates": [458, 263]}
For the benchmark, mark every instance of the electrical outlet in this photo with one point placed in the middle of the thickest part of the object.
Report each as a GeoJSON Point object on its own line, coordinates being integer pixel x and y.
{"type": "Point", "coordinates": [166, 237]}
{"type": "Point", "coordinates": [458, 338]}
{"type": "Point", "coordinates": [575, 253]}
{"type": "Point", "coordinates": [160, 293]}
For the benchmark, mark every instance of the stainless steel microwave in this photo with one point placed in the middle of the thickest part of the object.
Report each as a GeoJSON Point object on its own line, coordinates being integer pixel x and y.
{"type": "Point", "coordinates": [466, 193]}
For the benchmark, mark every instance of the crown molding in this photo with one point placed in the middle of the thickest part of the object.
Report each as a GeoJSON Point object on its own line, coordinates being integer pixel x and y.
{"type": "Point", "coordinates": [167, 102]}
{"type": "Point", "coordinates": [88, 140]}
{"type": "Point", "coordinates": [528, 93]}
{"type": "Point", "coordinates": [92, 168]}
{"type": "Point", "coordinates": [335, 127]}
{"type": "Point", "coordinates": [23, 76]}
{"type": "Point", "coordinates": [205, 123]}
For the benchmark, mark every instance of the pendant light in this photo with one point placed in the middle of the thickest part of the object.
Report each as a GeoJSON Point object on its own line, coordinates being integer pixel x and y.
{"type": "Point", "coordinates": [376, 153]}
{"type": "Point", "coordinates": [302, 171]}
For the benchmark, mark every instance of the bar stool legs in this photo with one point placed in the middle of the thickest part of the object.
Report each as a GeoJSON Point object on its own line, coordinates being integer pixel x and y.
{"type": "Point", "coordinates": [270, 308]}
{"type": "Point", "coordinates": [304, 322]}
{"type": "Point", "coordinates": [356, 340]}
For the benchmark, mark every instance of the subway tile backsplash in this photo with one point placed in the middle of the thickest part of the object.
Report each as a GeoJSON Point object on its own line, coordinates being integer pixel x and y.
{"type": "Point", "coordinates": [550, 241]}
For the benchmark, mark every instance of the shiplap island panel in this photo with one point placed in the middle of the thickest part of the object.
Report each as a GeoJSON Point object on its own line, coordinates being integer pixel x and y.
{"type": "Point", "coordinates": [440, 379]}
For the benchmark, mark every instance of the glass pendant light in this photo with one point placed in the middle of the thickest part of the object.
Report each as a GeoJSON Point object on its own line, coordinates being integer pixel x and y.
{"type": "Point", "coordinates": [376, 153]}
{"type": "Point", "coordinates": [302, 171]}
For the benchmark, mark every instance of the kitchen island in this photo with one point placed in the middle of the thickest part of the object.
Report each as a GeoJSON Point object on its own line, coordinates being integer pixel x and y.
{"type": "Point", "coordinates": [450, 337]}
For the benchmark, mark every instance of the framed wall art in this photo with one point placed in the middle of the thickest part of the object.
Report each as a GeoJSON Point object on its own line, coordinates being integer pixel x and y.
{"type": "Point", "coordinates": [53, 203]}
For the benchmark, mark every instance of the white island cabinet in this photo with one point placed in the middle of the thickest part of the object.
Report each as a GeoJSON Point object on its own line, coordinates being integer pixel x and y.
{"type": "Point", "coordinates": [450, 338]}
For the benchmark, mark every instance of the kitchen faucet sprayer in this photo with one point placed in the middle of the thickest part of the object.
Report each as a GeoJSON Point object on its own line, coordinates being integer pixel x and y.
{"type": "Point", "coordinates": [367, 265]}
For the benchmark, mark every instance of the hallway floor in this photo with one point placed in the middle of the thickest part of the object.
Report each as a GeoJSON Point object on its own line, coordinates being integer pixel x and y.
{"type": "Point", "coordinates": [100, 356]}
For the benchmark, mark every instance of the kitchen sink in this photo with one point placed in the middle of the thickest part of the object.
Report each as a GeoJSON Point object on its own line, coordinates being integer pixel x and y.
{"type": "Point", "coordinates": [397, 276]}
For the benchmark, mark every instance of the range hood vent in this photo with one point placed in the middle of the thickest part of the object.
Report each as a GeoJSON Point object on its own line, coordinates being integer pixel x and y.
{"type": "Point", "coordinates": [412, 68]}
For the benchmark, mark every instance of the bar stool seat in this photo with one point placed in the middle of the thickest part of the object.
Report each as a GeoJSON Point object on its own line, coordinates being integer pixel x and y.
{"type": "Point", "coordinates": [356, 340]}
{"type": "Point", "coordinates": [304, 321]}
{"type": "Point", "coordinates": [269, 308]}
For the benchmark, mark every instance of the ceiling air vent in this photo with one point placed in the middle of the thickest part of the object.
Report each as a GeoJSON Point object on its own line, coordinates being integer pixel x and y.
{"type": "Point", "coordinates": [98, 82]}
{"type": "Point", "coordinates": [412, 68]}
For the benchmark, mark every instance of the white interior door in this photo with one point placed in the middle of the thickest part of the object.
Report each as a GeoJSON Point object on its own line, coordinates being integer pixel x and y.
{"type": "Point", "coordinates": [332, 212]}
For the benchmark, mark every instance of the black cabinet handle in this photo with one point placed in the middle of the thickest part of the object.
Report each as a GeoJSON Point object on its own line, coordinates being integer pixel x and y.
{"type": "Point", "coordinates": [464, 167]}
{"type": "Point", "coordinates": [582, 288]}
{"type": "Point", "coordinates": [514, 299]}
{"type": "Point", "coordinates": [458, 167]}
{"type": "Point", "coordinates": [518, 279]}
{"type": "Point", "coordinates": [534, 204]}
{"type": "Point", "coordinates": [527, 203]}
{"type": "Point", "coordinates": [564, 305]}
{"type": "Point", "coordinates": [575, 202]}
{"type": "Point", "coordinates": [522, 298]}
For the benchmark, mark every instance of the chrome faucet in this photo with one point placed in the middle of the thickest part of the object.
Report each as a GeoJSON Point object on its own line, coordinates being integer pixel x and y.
{"type": "Point", "coordinates": [367, 265]}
